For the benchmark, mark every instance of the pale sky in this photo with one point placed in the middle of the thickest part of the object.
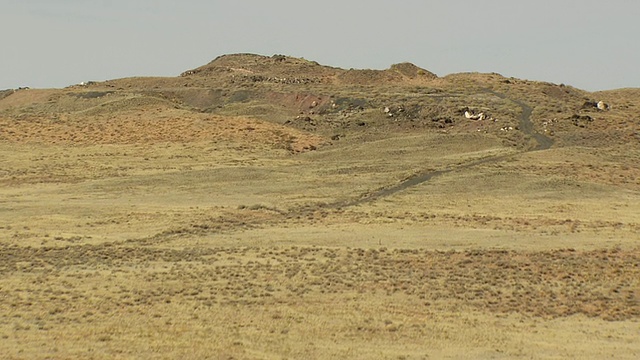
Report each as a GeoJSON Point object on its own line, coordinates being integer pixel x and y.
{"type": "Point", "coordinates": [588, 44]}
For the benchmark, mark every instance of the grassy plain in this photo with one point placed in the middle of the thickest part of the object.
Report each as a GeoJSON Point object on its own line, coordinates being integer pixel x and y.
{"type": "Point", "coordinates": [132, 227]}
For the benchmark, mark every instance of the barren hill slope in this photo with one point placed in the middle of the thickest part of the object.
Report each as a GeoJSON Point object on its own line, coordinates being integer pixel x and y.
{"type": "Point", "coordinates": [333, 102]}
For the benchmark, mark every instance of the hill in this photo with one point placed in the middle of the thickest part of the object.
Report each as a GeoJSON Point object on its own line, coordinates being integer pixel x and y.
{"type": "Point", "coordinates": [332, 102]}
{"type": "Point", "coordinates": [270, 207]}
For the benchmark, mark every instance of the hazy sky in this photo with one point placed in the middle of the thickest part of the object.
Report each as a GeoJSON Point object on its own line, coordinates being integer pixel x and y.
{"type": "Point", "coordinates": [588, 44]}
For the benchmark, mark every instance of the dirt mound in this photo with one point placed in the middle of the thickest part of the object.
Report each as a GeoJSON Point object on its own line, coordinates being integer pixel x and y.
{"type": "Point", "coordinates": [396, 74]}
{"type": "Point", "coordinates": [291, 70]}
{"type": "Point", "coordinates": [260, 68]}
{"type": "Point", "coordinates": [412, 71]}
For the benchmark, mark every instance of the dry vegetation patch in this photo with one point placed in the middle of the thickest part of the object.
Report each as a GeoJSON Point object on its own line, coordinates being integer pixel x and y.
{"type": "Point", "coordinates": [85, 291]}
{"type": "Point", "coordinates": [155, 126]}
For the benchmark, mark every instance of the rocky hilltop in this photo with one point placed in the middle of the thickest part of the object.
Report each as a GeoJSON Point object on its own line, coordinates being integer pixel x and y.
{"type": "Point", "coordinates": [334, 103]}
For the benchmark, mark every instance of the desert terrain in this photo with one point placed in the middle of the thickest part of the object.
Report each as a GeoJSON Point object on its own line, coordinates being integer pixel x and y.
{"type": "Point", "coordinates": [269, 207]}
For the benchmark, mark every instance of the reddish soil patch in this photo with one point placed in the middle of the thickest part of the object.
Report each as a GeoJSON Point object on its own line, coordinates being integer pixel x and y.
{"type": "Point", "coordinates": [155, 126]}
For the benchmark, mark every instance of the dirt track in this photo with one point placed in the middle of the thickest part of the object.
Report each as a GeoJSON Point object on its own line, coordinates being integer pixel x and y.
{"type": "Point", "coordinates": [544, 143]}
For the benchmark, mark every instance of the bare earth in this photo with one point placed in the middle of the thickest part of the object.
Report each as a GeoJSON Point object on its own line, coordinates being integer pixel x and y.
{"type": "Point", "coordinates": [270, 208]}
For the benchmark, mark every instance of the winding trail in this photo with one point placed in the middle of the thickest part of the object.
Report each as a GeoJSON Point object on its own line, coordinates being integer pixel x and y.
{"type": "Point", "coordinates": [526, 126]}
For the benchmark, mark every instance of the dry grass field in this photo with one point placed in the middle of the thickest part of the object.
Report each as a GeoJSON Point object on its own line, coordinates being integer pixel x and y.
{"type": "Point", "coordinates": [273, 208]}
